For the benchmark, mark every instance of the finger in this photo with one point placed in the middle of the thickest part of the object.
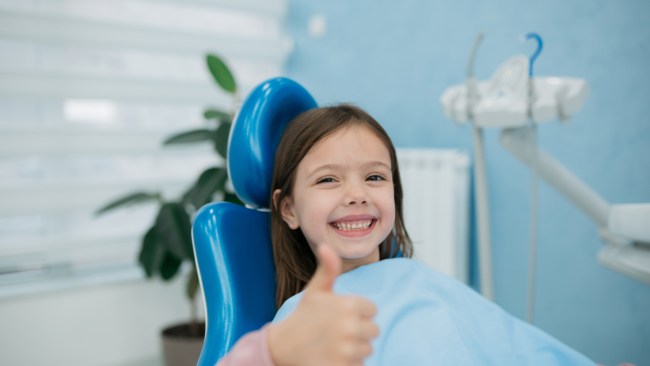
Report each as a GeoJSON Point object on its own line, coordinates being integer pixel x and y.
{"type": "Point", "coordinates": [329, 267]}
{"type": "Point", "coordinates": [368, 330]}
{"type": "Point", "coordinates": [364, 350]}
{"type": "Point", "coordinates": [365, 308]}
{"type": "Point", "coordinates": [355, 352]}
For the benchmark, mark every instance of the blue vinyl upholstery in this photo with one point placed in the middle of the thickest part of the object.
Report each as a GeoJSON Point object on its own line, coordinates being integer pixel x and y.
{"type": "Point", "coordinates": [232, 243]}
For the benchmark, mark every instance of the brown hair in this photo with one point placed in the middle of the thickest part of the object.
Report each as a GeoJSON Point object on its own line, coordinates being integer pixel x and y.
{"type": "Point", "coordinates": [295, 262]}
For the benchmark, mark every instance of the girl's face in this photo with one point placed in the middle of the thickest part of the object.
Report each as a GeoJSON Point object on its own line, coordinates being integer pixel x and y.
{"type": "Point", "coordinates": [343, 195]}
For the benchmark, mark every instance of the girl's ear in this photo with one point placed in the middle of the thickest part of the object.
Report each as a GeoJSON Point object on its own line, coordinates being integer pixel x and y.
{"type": "Point", "coordinates": [285, 207]}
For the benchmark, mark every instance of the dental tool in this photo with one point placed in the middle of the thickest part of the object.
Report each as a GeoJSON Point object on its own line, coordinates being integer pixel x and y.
{"type": "Point", "coordinates": [532, 128]}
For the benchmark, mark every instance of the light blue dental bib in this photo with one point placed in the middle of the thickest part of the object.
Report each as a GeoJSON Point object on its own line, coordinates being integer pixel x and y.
{"type": "Point", "coordinates": [426, 318]}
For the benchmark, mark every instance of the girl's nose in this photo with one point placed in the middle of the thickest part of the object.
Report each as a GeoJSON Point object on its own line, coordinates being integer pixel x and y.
{"type": "Point", "coordinates": [355, 194]}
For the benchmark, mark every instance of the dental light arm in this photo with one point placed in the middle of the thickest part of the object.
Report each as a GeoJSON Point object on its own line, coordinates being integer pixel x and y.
{"type": "Point", "coordinates": [624, 227]}
{"type": "Point", "coordinates": [516, 141]}
{"type": "Point", "coordinates": [630, 222]}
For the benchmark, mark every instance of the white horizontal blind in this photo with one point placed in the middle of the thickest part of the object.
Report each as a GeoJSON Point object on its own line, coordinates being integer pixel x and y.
{"type": "Point", "coordinates": [88, 92]}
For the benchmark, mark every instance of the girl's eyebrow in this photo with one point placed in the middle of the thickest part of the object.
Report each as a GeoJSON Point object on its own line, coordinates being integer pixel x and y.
{"type": "Point", "coordinates": [370, 164]}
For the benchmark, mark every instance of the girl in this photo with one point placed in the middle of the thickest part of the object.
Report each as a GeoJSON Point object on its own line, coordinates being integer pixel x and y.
{"type": "Point", "coordinates": [337, 193]}
{"type": "Point", "coordinates": [335, 181]}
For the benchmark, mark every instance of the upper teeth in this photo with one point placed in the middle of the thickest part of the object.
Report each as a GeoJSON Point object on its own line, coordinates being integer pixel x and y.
{"type": "Point", "coordinates": [353, 225]}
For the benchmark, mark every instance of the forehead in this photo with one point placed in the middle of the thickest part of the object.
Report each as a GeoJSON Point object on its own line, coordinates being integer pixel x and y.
{"type": "Point", "coordinates": [350, 142]}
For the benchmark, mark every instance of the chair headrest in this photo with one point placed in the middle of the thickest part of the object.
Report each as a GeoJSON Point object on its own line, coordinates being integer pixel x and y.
{"type": "Point", "coordinates": [256, 133]}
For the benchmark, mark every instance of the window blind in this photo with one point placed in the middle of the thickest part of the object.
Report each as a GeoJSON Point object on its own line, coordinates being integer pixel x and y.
{"type": "Point", "coordinates": [88, 92]}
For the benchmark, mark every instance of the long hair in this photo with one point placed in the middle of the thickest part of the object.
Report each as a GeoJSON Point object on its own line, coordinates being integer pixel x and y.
{"type": "Point", "coordinates": [295, 262]}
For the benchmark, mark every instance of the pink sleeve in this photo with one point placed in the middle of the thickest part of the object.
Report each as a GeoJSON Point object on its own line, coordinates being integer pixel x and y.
{"type": "Point", "coordinates": [251, 349]}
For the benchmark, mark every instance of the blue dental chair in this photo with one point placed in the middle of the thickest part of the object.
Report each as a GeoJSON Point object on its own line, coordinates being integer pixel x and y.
{"type": "Point", "coordinates": [232, 243]}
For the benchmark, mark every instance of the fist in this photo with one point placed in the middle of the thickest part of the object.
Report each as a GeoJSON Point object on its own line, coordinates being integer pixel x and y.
{"type": "Point", "coordinates": [325, 328]}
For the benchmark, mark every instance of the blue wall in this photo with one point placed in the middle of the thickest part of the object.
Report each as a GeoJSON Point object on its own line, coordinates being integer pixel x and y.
{"type": "Point", "coordinates": [396, 58]}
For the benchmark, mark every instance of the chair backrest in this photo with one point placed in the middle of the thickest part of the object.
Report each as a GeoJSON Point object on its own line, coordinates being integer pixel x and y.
{"type": "Point", "coordinates": [232, 243]}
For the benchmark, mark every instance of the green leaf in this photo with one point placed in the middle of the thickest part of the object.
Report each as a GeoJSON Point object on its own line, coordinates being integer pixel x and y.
{"type": "Point", "coordinates": [174, 230]}
{"type": "Point", "coordinates": [221, 73]}
{"type": "Point", "coordinates": [210, 181]}
{"type": "Point", "coordinates": [191, 137]}
{"type": "Point", "coordinates": [169, 266]}
{"type": "Point", "coordinates": [151, 253]}
{"type": "Point", "coordinates": [217, 114]}
{"type": "Point", "coordinates": [192, 284]}
{"type": "Point", "coordinates": [221, 139]}
{"type": "Point", "coordinates": [130, 199]}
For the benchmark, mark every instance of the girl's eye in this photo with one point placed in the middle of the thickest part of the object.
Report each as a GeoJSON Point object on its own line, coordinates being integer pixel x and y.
{"type": "Point", "coordinates": [326, 180]}
{"type": "Point", "coordinates": [375, 178]}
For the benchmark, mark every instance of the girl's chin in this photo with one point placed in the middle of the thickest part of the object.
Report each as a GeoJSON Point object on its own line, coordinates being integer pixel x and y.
{"type": "Point", "coordinates": [371, 255]}
{"type": "Point", "coordinates": [355, 256]}
{"type": "Point", "coordinates": [350, 264]}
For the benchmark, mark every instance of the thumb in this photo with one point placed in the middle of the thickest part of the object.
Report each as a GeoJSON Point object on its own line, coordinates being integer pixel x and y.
{"type": "Point", "coordinates": [329, 267]}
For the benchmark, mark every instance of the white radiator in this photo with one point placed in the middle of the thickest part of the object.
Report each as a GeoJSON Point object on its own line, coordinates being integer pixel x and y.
{"type": "Point", "coordinates": [436, 207]}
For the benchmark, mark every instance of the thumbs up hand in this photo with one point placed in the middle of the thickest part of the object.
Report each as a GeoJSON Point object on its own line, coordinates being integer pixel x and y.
{"type": "Point", "coordinates": [325, 328]}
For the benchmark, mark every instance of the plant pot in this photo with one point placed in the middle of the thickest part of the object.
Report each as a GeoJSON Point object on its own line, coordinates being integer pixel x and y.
{"type": "Point", "coordinates": [182, 346]}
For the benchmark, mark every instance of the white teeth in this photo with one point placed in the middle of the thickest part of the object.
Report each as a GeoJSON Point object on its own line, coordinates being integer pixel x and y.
{"type": "Point", "coordinates": [352, 225]}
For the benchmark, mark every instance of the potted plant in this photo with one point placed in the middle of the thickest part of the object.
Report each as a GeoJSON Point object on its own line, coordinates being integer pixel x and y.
{"type": "Point", "coordinates": [168, 243]}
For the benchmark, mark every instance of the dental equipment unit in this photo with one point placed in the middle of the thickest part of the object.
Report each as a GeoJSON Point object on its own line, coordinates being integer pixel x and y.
{"type": "Point", "coordinates": [516, 102]}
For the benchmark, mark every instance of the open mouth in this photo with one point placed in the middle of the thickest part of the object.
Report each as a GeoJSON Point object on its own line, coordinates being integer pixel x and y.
{"type": "Point", "coordinates": [350, 226]}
